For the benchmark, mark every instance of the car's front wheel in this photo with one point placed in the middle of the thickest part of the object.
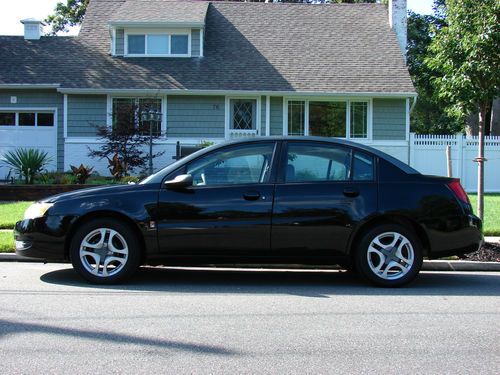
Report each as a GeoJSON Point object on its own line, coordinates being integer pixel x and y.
{"type": "Point", "coordinates": [389, 255]}
{"type": "Point", "coordinates": [105, 251]}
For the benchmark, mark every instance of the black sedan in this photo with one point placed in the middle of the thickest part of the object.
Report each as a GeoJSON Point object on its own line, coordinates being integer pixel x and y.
{"type": "Point", "coordinates": [283, 200]}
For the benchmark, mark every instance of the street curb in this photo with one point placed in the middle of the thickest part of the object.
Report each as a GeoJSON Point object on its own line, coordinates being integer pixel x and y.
{"type": "Point", "coordinates": [428, 265]}
{"type": "Point", "coordinates": [459, 265]}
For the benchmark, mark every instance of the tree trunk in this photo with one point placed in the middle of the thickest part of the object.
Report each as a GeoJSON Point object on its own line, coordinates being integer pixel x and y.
{"type": "Point", "coordinates": [480, 162]}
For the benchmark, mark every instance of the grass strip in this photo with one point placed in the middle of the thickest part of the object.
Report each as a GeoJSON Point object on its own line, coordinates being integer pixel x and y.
{"type": "Point", "coordinates": [6, 242]}
{"type": "Point", "coordinates": [12, 212]}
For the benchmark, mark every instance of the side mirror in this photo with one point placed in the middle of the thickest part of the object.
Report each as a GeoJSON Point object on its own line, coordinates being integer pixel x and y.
{"type": "Point", "coordinates": [179, 182]}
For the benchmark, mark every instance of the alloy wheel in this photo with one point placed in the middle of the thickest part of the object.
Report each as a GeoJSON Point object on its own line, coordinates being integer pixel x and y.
{"type": "Point", "coordinates": [104, 252]}
{"type": "Point", "coordinates": [390, 255]}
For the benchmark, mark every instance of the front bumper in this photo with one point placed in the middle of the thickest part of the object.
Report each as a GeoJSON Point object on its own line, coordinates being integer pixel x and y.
{"type": "Point", "coordinates": [43, 237]}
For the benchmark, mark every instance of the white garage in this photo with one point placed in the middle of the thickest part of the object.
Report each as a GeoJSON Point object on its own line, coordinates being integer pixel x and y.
{"type": "Point", "coordinates": [28, 128]}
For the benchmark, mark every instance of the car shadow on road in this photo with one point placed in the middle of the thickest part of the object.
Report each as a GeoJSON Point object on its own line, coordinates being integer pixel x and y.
{"type": "Point", "coordinates": [307, 283]}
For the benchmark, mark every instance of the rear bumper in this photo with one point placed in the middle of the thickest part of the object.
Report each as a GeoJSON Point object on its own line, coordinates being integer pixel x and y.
{"type": "Point", "coordinates": [467, 239]}
{"type": "Point", "coordinates": [42, 238]}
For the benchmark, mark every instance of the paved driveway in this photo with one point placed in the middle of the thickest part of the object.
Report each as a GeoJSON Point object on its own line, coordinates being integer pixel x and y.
{"type": "Point", "coordinates": [181, 321]}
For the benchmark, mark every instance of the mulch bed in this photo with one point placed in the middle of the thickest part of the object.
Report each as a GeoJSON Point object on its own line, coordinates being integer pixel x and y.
{"type": "Point", "coordinates": [489, 252]}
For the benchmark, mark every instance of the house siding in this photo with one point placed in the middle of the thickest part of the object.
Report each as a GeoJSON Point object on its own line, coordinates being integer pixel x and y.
{"type": "Point", "coordinates": [276, 116]}
{"type": "Point", "coordinates": [389, 119]}
{"type": "Point", "coordinates": [120, 42]}
{"type": "Point", "coordinates": [85, 112]}
{"type": "Point", "coordinates": [195, 42]}
{"type": "Point", "coordinates": [40, 99]}
{"type": "Point", "coordinates": [195, 116]}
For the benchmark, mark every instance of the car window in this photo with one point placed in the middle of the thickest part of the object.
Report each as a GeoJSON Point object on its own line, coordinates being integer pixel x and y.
{"type": "Point", "coordinates": [247, 164]}
{"type": "Point", "coordinates": [362, 167]}
{"type": "Point", "coordinates": [315, 162]}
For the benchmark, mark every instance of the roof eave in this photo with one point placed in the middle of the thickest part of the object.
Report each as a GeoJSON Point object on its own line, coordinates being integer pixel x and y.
{"type": "Point", "coordinates": [152, 25]}
{"type": "Point", "coordinates": [236, 92]}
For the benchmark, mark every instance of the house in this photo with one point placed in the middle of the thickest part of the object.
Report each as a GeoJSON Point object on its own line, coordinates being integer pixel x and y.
{"type": "Point", "coordinates": [215, 71]}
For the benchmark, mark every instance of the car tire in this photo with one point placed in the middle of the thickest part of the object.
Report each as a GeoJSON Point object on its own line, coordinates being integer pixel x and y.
{"type": "Point", "coordinates": [389, 255]}
{"type": "Point", "coordinates": [105, 251]}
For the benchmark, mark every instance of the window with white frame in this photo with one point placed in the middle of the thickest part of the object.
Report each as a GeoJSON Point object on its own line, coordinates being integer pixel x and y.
{"type": "Point", "coordinates": [243, 115]}
{"type": "Point", "coordinates": [27, 118]}
{"type": "Point", "coordinates": [343, 119]}
{"type": "Point", "coordinates": [157, 44]}
{"type": "Point", "coordinates": [126, 114]}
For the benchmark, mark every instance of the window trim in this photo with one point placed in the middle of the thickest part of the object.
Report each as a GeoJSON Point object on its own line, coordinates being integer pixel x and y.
{"type": "Point", "coordinates": [146, 32]}
{"type": "Point", "coordinates": [35, 110]}
{"type": "Point", "coordinates": [347, 100]}
{"type": "Point", "coordinates": [227, 113]}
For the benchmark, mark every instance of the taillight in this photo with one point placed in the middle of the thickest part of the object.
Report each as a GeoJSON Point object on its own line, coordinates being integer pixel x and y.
{"type": "Point", "coordinates": [459, 191]}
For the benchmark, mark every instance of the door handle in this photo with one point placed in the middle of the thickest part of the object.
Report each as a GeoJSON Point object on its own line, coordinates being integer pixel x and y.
{"type": "Point", "coordinates": [351, 193]}
{"type": "Point", "coordinates": [251, 195]}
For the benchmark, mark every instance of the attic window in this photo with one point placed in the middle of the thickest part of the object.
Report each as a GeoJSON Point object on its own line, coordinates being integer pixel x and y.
{"type": "Point", "coordinates": [157, 44]}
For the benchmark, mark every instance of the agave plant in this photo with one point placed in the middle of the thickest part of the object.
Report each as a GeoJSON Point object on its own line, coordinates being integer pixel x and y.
{"type": "Point", "coordinates": [26, 162]}
{"type": "Point", "coordinates": [82, 173]}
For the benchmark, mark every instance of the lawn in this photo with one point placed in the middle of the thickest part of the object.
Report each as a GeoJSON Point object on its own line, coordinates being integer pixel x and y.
{"type": "Point", "coordinates": [6, 242]}
{"type": "Point", "coordinates": [491, 213]}
{"type": "Point", "coordinates": [10, 213]}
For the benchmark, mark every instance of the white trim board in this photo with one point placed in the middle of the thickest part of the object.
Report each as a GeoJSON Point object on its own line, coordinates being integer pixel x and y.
{"type": "Point", "coordinates": [132, 92]}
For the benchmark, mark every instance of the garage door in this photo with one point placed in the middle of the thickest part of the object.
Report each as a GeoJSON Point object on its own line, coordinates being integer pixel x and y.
{"type": "Point", "coordinates": [28, 128]}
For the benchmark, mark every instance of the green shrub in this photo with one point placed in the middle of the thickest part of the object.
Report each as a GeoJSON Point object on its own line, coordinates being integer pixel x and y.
{"type": "Point", "coordinates": [27, 163]}
{"type": "Point", "coordinates": [128, 179]}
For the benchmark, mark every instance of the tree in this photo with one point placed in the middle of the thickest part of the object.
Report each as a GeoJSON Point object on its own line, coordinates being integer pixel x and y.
{"type": "Point", "coordinates": [467, 52]}
{"type": "Point", "coordinates": [65, 15]}
{"type": "Point", "coordinates": [429, 115]}
{"type": "Point", "coordinates": [124, 143]}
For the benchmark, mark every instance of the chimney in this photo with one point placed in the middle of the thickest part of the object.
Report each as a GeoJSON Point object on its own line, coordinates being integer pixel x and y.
{"type": "Point", "coordinates": [397, 21]}
{"type": "Point", "coordinates": [33, 29]}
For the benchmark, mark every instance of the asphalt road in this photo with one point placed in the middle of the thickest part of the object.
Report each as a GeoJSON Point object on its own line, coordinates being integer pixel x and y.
{"type": "Point", "coordinates": [185, 321]}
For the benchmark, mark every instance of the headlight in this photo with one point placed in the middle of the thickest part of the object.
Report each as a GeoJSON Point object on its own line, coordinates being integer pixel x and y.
{"type": "Point", "coordinates": [37, 210]}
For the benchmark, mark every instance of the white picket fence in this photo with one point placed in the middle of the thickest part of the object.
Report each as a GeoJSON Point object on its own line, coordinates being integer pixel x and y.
{"type": "Point", "coordinates": [428, 156]}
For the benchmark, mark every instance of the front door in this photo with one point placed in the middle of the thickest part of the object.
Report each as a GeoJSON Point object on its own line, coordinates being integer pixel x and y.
{"type": "Point", "coordinates": [326, 190]}
{"type": "Point", "coordinates": [228, 209]}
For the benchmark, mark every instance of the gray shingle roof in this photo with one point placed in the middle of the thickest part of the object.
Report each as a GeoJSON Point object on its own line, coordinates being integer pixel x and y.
{"type": "Point", "coordinates": [158, 11]}
{"type": "Point", "coordinates": [248, 46]}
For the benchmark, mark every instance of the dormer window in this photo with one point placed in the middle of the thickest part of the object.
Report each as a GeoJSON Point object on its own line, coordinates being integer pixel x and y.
{"type": "Point", "coordinates": [157, 44]}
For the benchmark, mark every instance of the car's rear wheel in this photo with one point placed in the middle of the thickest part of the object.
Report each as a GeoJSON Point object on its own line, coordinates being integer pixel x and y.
{"type": "Point", "coordinates": [105, 251]}
{"type": "Point", "coordinates": [389, 255]}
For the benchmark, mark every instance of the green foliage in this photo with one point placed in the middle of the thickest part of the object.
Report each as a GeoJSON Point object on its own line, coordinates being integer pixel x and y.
{"type": "Point", "coordinates": [27, 163]}
{"type": "Point", "coordinates": [467, 54]}
{"type": "Point", "coordinates": [429, 115]}
{"type": "Point", "coordinates": [129, 179]}
{"type": "Point", "coordinates": [204, 144]}
{"type": "Point", "coordinates": [82, 173]}
{"type": "Point", "coordinates": [56, 178]}
{"type": "Point", "coordinates": [65, 15]}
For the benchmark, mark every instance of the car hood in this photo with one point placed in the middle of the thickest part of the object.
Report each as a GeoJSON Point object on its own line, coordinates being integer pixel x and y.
{"type": "Point", "coordinates": [93, 191]}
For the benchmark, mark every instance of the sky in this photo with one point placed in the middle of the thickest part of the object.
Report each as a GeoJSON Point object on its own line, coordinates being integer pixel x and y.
{"type": "Point", "coordinates": [12, 11]}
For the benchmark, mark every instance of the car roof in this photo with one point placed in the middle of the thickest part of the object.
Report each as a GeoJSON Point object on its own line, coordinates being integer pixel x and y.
{"type": "Point", "coordinates": [158, 176]}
